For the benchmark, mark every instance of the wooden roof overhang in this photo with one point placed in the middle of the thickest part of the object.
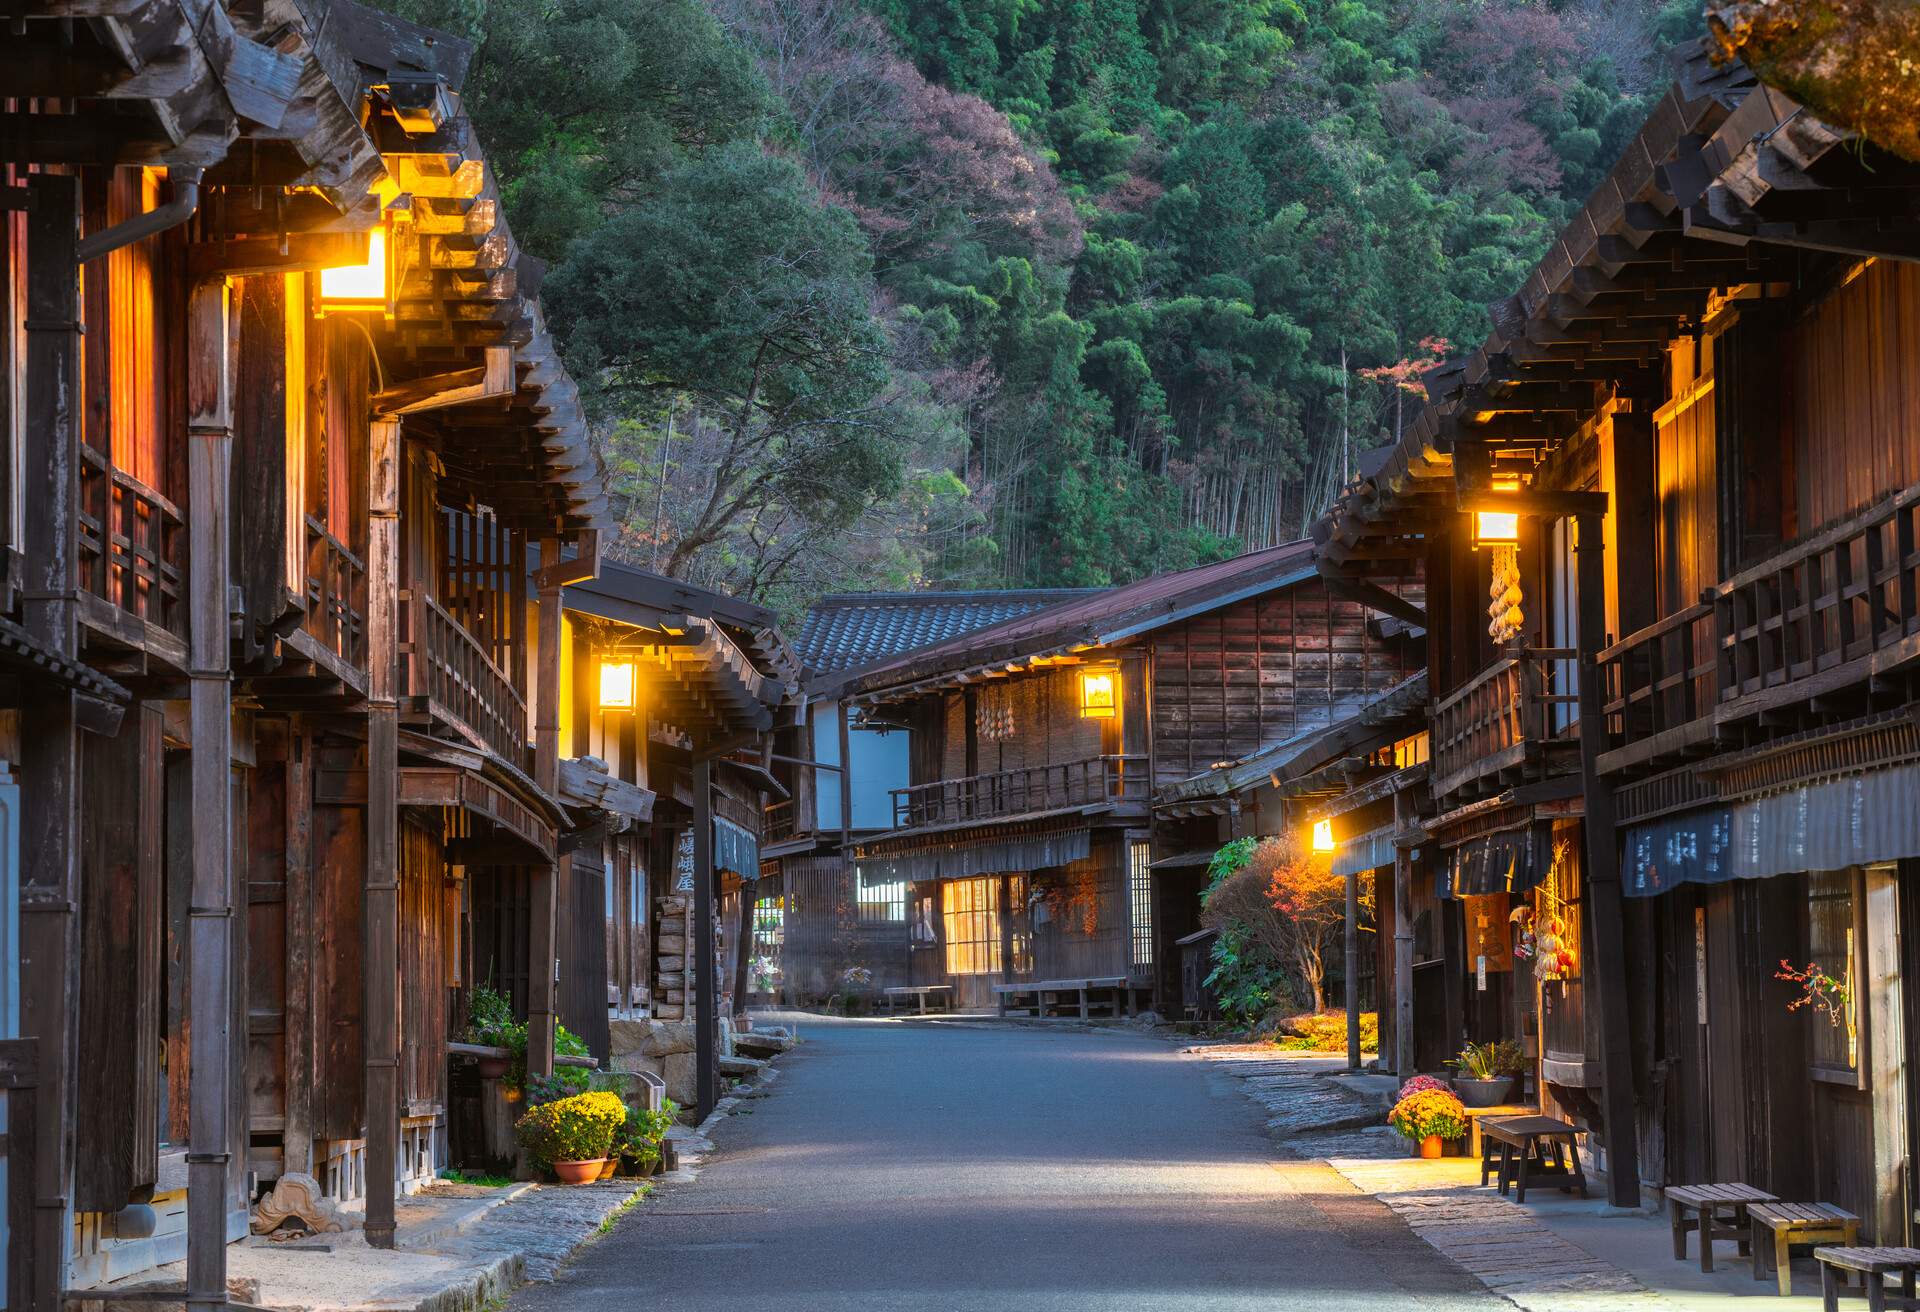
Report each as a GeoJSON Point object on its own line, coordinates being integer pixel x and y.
{"type": "Point", "coordinates": [435, 772]}
{"type": "Point", "coordinates": [1729, 188]}
{"type": "Point", "coordinates": [697, 679]}
{"type": "Point", "coordinates": [583, 785]}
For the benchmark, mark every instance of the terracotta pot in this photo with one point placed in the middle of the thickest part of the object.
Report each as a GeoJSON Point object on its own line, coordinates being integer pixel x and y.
{"type": "Point", "coordinates": [607, 1166]}
{"type": "Point", "coordinates": [493, 1068]}
{"type": "Point", "coordinates": [1431, 1146]}
{"type": "Point", "coordinates": [579, 1172]}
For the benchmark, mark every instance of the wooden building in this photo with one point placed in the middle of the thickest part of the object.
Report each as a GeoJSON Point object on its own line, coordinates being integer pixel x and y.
{"type": "Point", "coordinates": [1023, 846]}
{"type": "Point", "coordinates": [839, 771]}
{"type": "Point", "coordinates": [1694, 426]}
{"type": "Point", "coordinates": [280, 689]}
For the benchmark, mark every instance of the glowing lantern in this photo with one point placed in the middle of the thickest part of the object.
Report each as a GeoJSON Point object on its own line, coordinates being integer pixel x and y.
{"type": "Point", "coordinates": [1323, 835]}
{"type": "Point", "coordinates": [1099, 694]}
{"type": "Point", "coordinates": [359, 286]}
{"type": "Point", "coordinates": [618, 683]}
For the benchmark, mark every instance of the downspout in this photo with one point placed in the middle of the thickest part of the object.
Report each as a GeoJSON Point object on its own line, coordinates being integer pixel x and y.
{"type": "Point", "coordinates": [186, 199]}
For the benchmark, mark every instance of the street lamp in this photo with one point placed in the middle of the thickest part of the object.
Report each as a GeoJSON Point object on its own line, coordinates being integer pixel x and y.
{"type": "Point", "coordinates": [1499, 532]}
{"type": "Point", "coordinates": [619, 682]}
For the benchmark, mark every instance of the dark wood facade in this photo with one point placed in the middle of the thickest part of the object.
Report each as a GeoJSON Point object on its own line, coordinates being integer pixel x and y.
{"type": "Point", "coordinates": [1701, 405]}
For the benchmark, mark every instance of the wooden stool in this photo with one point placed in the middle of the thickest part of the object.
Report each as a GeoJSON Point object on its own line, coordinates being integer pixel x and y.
{"type": "Point", "coordinates": [1720, 1212]}
{"type": "Point", "coordinates": [1533, 1149]}
{"type": "Point", "coordinates": [1796, 1223]}
{"type": "Point", "coordinates": [1874, 1266]}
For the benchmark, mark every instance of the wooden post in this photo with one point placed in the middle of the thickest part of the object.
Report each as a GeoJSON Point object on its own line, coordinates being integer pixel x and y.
{"type": "Point", "coordinates": [706, 1056]}
{"type": "Point", "coordinates": [380, 912]}
{"type": "Point", "coordinates": [1352, 928]}
{"type": "Point", "coordinates": [545, 890]}
{"type": "Point", "coordinates": [1403, 818]}
{"type": "Point", "coordinates": [846, 774]}
{"type": "Point", "coordinates": [297, 1138]}
{"type": "Point", "coordinates": [210, 908]}
{"type": "Point", "coordinates": [1885, 1052]}
{"type": "Point", "coordinates": [743, 945]}
{"type": "Point", "coordinates": [1607, 973]}
{"type": "Point", "coordinates": [49, 728]}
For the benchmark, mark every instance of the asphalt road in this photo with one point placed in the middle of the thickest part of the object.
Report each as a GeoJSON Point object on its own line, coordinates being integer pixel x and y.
{"type": "Point", "coordinates": [945, 1166]}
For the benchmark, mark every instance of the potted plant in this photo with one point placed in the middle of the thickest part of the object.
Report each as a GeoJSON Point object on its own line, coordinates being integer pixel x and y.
{"type": "Point", "coordinates": [1485, 1072]}
{"type": "Point", "coordinates": [572, 1136]}
{"type": "Point", "coordinates": [1428, 1118]}
{"type": "Point", "coordinates": [490, 1021]}
{"type": "Point", "coordinates": [639, 1140]}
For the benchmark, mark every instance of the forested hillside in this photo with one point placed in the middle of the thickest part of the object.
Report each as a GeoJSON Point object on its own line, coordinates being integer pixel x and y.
{"type": "Point", "coordinates": [947, 292]}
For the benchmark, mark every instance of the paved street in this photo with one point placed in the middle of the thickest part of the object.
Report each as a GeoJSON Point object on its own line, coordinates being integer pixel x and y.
{"type": "Point", "coordinates": [908, 1166]}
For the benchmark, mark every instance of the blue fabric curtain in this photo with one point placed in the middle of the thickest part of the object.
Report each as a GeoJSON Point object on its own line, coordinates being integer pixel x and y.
{"type": "Point", "coordinates": [1504, 862]}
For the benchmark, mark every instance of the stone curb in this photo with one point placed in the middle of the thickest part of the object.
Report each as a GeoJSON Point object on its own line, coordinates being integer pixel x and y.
{"type": "Point", "coordinates": [454, 1225]}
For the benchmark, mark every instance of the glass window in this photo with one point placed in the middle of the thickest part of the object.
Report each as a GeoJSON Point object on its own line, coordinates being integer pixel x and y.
{"type": "Point", "coordinates": [970, 911]}
{"type": "Point", "coordinates": [1827, 981]}
{"type": "Point", "coordinates": [1140, 885]}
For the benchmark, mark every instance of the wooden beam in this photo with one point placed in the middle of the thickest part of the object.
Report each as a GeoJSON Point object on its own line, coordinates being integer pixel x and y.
{"type": "Point", "coordinates": [1540, 504]}
{"type": "Point", "coordinates": [1374, 597]}
{"type": "Point", "coordinates": [438, 391]}
{"type": "Point", "coordinates": [380, 896]}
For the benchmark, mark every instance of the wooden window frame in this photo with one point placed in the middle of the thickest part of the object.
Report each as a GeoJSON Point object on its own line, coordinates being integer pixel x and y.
{"type": "Point", "coordinates": [970, 925]}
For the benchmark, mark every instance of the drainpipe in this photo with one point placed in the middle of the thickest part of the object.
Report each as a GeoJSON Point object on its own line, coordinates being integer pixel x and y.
{"type": "Point", "coordinates": [186, 199]}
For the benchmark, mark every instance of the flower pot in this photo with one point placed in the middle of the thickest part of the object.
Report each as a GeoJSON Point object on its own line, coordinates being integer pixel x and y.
{"type": "Point", "coordinates": [493, 1068]}
{"type": "Point", "coordinates": [607, 1166]}
{"type": "Point", "coordinates": [1431, 1146]}
{"type": "Point", "coordinates": [1483, 1093]}
{"type": "Point", "coordinates": [579, 1172]}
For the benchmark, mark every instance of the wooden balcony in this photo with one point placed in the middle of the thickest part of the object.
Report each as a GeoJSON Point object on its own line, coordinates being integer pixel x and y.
{"type": "Point", "coordinates": [336, 618]}
{"type": "Point", "coordinates": [447, 674]}
{"type": "Point", "coordinates": [779, 822]}
{"type": "Point", "coordinates": [132, 560]}
{"type": "Point", "coordinates": [1811, 628]}
{"type": "Point", "coordinates": [1120, 781]}
{"type": "Point", "coordinates": [1503, 727]}
{"type": "Point", "coordinates": [1659, 688]}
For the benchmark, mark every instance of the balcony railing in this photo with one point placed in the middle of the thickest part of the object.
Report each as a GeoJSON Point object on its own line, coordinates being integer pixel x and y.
{"type": "Point", "coordinates": [440, 661]}
{"type": "Point", "coordinates": [336, 597]}
{"type": "Point", "coordinates": [1820, 617]}
{"type": "Point", "coordinates": [1659, 687]}
{"type": "Point", "coordinates": [1504, 725]}
{"type": "Point", "coordinates": [779, 824]}
{"type": "Point", "coordinates": [1095, 780]}
{"type": "Point", "coordinates": [1826, 612]}
{"type": "Point", "coordinates": [132, 545]}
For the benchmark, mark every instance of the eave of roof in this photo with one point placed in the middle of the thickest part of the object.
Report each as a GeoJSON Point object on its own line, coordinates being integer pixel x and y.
{"type": "Point", "coordinates": [1114, 616]}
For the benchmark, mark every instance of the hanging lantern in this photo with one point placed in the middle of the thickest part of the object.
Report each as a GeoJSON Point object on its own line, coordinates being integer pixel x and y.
{"type": "Point", "coordinates": [367, 286]}
{"type": "Point", "coordinates": [1323, 836]}
{"type": "Point", "coordinates": [1099, 693]}
{"type": "Point", "coordinates": [619, 682]}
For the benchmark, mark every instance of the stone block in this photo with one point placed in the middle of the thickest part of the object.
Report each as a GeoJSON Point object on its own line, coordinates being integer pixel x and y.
{"type": "Point", "coordinates": [682, 1077]}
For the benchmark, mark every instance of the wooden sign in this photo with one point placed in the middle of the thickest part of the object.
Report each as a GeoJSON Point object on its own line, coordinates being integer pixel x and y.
{"type": "Point", "coordinates": [1488, 933]}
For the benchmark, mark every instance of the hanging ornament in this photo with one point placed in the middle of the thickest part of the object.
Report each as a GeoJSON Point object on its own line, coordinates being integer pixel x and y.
{"type": "Point", "coordinates": [1503, 590]}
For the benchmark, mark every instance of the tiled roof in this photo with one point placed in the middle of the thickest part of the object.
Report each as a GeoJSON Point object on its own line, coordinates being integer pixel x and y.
{"type": "Point", "coordinates": [1098, 618]}
{"type": "Point", "coordinates": [847, 629]}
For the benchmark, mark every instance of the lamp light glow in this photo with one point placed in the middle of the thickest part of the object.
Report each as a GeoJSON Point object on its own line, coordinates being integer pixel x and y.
{"type": "Point", "coordinates": [618, 680]}
{"type": "Point", "coordinates": [1498, 528]}
{"type": "Point", "coordinates": [1099, 694]}
{"type": "Point", "coordinates": [358, 286]}
{"type": "Point", "coordinates": [1323, 835]}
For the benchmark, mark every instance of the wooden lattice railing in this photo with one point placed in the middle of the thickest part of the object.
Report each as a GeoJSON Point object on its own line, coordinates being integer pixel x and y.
{"type": "Point", "coordinates": [336, 596]}
{"type": "Point", "coordinates": [440, 660]}
{"type": "Point", "coordinates": [1502, 719]}
{"type": "Point", "coordinates": [132, 544]}
{"type": "Point", "coordinates": [1097, 779]}
{"type": "Point", "coordinates": [1659, 682]}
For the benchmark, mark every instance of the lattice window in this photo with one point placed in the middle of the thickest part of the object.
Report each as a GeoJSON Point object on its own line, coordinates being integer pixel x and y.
{"type": "Point", "coordinates": [881, 901]}
{"type": "Point", "coordinates": [1140, 897]}
{"type": "Point", "coordinates": [970, 909]}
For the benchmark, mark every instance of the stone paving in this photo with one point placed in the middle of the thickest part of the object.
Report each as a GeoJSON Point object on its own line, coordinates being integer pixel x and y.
{"type": "Point", "coordinates": [1500, 1242]}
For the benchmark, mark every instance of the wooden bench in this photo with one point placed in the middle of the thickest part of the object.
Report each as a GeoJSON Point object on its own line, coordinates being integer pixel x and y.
{"type": "Point", "coordinates": [1874, 1265]}
{"type": "Point", "coordinates": [1710, 1206]}
{"type": "Point", "coordinates": [1777, 1227]}
{"type": "Point", "coordinates": [1532, 1150]}
{"type": "Point", "coordinates": [1109, 993]}
{"type": "Point", "coordinates": [922, 995]}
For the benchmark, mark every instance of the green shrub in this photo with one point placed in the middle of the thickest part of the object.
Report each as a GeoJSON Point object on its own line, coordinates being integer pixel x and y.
{"type": "Point", "coordinates": [1326, 1031]}
{"type": "Point", "coordinates": [640, 1137]}
{"type": "Point", "coordinates": [576, 1129]}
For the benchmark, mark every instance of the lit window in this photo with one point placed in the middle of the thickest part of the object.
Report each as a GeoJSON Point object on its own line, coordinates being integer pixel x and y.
{"type": "Point", "coordinates": [882, 899]}
{"type": "Point", "coordinates": [970, 910]}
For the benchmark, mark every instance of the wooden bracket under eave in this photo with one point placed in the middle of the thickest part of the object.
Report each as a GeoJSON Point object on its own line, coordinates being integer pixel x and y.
{"type": "Point", "coordinates": [493, 379]}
